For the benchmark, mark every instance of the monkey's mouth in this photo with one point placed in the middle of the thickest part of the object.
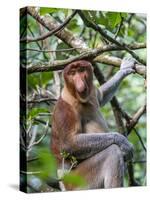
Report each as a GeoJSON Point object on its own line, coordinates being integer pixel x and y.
{"type": "Point", "coordinates": [83, 95]}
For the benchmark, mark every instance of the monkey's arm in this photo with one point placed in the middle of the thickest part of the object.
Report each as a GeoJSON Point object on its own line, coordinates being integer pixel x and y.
{"type": "Point", "coordinates": [83, 146]}
{"type": "Point", "coordinates": [108, 89]}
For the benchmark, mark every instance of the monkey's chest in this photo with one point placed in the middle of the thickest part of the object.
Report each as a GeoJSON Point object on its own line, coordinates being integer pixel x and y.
{"type": "Point", "coordinates": [93, 123]}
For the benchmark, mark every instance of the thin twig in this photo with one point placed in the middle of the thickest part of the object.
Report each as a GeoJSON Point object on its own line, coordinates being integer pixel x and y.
{"type": "Point", "coordinates": [41, 121]}
{"type": "Point", "coordinates": [139, 161]}
{"type": "Point", "coordinates": [32, 159]}
{"type": "Point", "coordinates": [135, 118]}
{"type": "Point", "coordinates": [48, 51]}
{"type": "Point", "coordinates": [38, 44]}
{"type": "Point", "coordinates": [42, 137]}
{"type": "Point", "coordinates": [41, 100]}
{"type": "Point", "coordinates": [140, 138]}
{"type": "Point", "coordinates": [31, 173]}
{"type": "Point", "coordinates": [119, 27]}
{"type": "Point", "coordinates": [33, 137]}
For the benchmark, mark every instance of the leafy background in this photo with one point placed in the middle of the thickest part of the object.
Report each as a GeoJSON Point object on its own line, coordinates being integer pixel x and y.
{"type": "Point", "coordinates": [41, 164]}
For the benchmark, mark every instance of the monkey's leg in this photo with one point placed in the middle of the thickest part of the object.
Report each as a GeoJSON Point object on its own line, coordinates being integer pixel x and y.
{"type": "Point", "coordinates": [103, 170]}
{"type": "Point", "coordinates": [113, 168]}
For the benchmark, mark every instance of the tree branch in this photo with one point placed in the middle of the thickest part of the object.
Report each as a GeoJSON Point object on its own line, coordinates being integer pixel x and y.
{"type": "Point", "coordinates": [87, 55]}
{"type": "Point", "coordinates": [50, 23]}
{"type": "Point", "coordinates": [132, 181]}
{"type": "Point", "coordinates": [114, 102]}
{"type": "Point", "coordinates": [54, 31]}
{"type": "Point", "coordinates": [119, 113]}
{"type": "Point", "coordinates": [104, 33]}
{"type": "Point", "coordinates": [66, 36]}
{"type": "Point", "coordinates": [135, 119]}
{"type": "Point", "coordinates": [76, 42]}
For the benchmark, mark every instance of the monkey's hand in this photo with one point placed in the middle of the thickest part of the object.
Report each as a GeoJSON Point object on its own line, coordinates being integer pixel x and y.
{"type": "Point", "coordinates": [125, 146]}
{"type": "Point", "coordinates": [127, 66]}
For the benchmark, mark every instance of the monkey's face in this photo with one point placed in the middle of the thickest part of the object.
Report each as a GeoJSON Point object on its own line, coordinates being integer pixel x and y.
{"type": "Point", "coordinates": [78, 78]}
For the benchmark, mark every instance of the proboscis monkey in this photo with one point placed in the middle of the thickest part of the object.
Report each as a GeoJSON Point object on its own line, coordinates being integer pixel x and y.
{"type": "Point", "coordinates": [79, 128]}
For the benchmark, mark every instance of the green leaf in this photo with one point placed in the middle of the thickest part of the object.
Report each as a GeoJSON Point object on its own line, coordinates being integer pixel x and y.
{"type": "Point", "coordinates": [35, 112]}
{"type": "Point", "coordinates": [113, 19]}
{"type": "Point", "coordinates": [46, 77]}
{"type": "Point", "coordinates": [46, 164]}
{"type": "Point", "coordinates": [44, 10]}
{"type": "Point", "coordinates": [73, 26]}
{"type": "Point", "coordinates": [33, 81]}
{"type": "Point", "coordinates": [39, 78]}
{"type": "Point", "coordinates": [102, 20]}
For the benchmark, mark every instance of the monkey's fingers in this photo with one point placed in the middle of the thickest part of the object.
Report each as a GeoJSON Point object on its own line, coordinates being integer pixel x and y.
{"type": "Point", "coordinates": [128, 63]}
{"type": "Point", "coordinates": [128, 154]}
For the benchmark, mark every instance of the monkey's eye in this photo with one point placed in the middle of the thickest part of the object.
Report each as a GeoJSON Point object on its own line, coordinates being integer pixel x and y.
{"type": "Point", "coordinates": [72, 73]}
{"type": "Point", "coordinates": [81, 69]}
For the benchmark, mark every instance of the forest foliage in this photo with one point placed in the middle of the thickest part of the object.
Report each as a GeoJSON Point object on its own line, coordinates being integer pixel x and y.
{"type": "Point", "coordinates": [44, 56]}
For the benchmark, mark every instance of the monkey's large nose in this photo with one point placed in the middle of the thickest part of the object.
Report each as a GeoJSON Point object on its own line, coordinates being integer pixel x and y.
{"type": "Point", "coordinates": [80, 86]}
